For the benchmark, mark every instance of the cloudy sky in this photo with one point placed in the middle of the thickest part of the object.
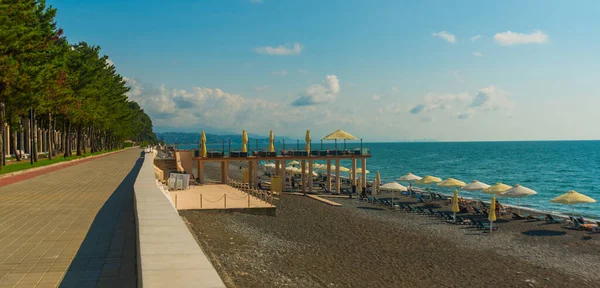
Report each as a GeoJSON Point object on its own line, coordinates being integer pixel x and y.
{"type": "Point", "coordinates": [382, 70]}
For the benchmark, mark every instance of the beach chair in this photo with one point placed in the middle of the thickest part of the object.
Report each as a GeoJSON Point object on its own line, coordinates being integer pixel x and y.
{"type": "Point", "coordinates": [517, 216]}
{"type": "Point", "coordinates": [407, 208]}
{"type": "Point", "coordinates": [597, 228]}
{"type": "Point", "coordinates": [430, 212]}
{"type": "Point", "coordinates": [478, 212]}
{"type": "Point", "coordinates": [551, 220]}
{"type": "Point", "coordinates": [574, 224]}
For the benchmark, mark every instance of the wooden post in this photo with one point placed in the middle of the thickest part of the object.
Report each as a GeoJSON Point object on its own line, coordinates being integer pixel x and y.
{"type": "Point", "coordinates": [198, 170]}
{"type": "Point", "coordinates": [282, 171]}
{"type": "Point", "coordinates": [248, 195]}
{"type": "Point", "coordinates": [250, 173]}
{"type": "Point", "coordinates": [175, 201]}
{"type": "Point", "coordinates": [225, 200]}
{"type": "Point", "coordinates": [337, 176]}
{"type": "Point", "coordinates": [201, 171]}
{"type": "Point", "coordinates": [310, 176]}
{"type": "Point", "coordinates": [353, 172]}
{"type": "Point", "coordinates": [226, 170]}
{"type": "Point", "coordinates": [364, 175]}
{"type": "Point", "coordinates": [200, 201]}
{"type": "Point", "coordinates": [303, 176]}
{"type": "Point", "coordinates": [328, 175]}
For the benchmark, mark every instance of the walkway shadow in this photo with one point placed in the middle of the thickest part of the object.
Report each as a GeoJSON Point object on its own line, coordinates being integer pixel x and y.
{"type": "Point", "coordinates": [107, 256]}
{"type": "Point", "coordinates": [370, 208]}
{"type": "Point", "coordinates": [544, 233]}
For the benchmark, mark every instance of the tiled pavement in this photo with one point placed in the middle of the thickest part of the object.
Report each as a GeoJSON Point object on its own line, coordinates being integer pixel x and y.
{"type": "Point", "coordinates": [71, 228]}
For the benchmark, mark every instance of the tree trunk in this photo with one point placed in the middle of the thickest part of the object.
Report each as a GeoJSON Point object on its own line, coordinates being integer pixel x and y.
{"type": "Point", "coordinates": [79, 136]}
{"type": "Point", "coordinates": [65, 138]}
{"type": "Point", "coordinates": [49, 138]}
{"type": "Point", "coordinates": [2, 137]}
{"type": "Point", "coordinates": [14, 147]}
{"type": "Point", "coordinates": [33, 131]}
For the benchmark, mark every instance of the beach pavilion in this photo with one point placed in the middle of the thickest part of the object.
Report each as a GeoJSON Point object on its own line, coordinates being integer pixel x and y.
{"type": "Point", "coordinates": [305, 158]}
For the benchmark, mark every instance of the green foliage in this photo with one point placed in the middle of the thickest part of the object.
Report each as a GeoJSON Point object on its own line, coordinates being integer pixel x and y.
{"type": "Point", "coordinates": [65, 84]}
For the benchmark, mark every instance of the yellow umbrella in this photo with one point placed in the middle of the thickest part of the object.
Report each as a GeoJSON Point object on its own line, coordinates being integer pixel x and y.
{"type": "Point", "coordinates": [244, 141]}
{"type": "Point", "coordinates": [340, 135]}
{"type": "Point", "coordinates": [451, 183]}
{"type": "Point", "coordinates": [359, 171]}
{"type": "Point", "coordinates": [454, 206]}
{"type": "Point", "coordinates": [428, 180]}
{"type": "Point", "coordinates": [203, 145]}
{"type": "Point", "coordinates": [307, 139]}
{"type": "Point", "coordinates": [497, 188]}
{"type": "Point", "coordinates": [492, 212]}
{"type": "Point", "coordinates": [377, 183]}
{"type": "Point", "coordinates": [294, 163]}
{"type": "Point", "coordinates": [571, 198]}
{"type": "Point", "coordinates": [271, 142]}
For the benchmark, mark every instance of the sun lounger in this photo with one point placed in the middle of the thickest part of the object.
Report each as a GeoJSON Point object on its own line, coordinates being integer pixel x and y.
{"type": "Point", "coordinates": [551, 220]}
{"type": "Point", "coordinates": [478, 212]}
{"type": "Point", "coordinates": [574, 224]}
{"type": "Point", "coordinates": [517, 216]}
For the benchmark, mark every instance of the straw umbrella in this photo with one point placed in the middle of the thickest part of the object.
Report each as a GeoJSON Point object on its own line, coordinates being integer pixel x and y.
{"type": "Point", "coordinates": [451, 183]}
{"type": "Point", "coordinates": [475, 186]}
{"type": "Point", "coordinates": [492, 212]}
{"type": "Point", "coordinates": [271, 141]}
{"type": "Point", "coordinates": [428, 180]}
{"type": "Point", "coordinates": [203, 144]}
{"type": "Point", "coordinates": [244, 141]}
{"type": "Point", "coordinates": [377, 183]}
{"type": "Point", "coordinates": [340, 135]}
{"type": "Point", "coordinates": [294, 163]}
{"type": "Point", "coordinates": [393, 186]}
{"type": "Point", "coordinates": [571, 198]}
{"type": "Point", "coordinates": [454, 205]}
{"type": "Point", "coordinates": [409, 177]}
{"type": "Point", "coordinates": [497, 188]}
{"type": "Point", "coordinates": [518, 192]}
{"type": "Point", "coordinates": [307, 139]}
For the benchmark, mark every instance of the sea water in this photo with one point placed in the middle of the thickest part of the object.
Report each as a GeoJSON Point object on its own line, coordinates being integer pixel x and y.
{"type": "Point", "coordinates": [549, 167]}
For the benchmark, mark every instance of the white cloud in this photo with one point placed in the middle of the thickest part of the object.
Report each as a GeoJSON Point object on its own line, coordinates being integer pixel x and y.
{"type": "Point", "coordinates": [466, 115]}
{"type": "Point", "coordinates": [295, 49]}
{"type": "Point", "coordinates": [320, 93]}
{"type": "Point", "coordinates": [376, 97]}
{"type": "Point", "coordinates": [261, 88]}
{"type": "Point", "coordinates": [477, 54]}
{"type": "Point", "coordinates": [476, 37]}
{"type": "Point", "coordinates": [491, 98]}
{"type": "Point", "coordinates": [435, 102]}
{"type": "Point", "coordinates": [280, 73]}
{"type": "Point", "coordinates": [446, 36]}
{"type": "Point", "coordinates": [395, 89]}
{"type": "Point", "coordinates": [509, 38]}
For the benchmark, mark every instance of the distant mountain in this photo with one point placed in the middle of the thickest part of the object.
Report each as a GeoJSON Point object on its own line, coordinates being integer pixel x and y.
{"type": "Point", "coordinates": [194, 137]}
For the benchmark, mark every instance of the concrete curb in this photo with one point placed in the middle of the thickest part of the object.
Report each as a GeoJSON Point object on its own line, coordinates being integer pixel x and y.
{"type": "Point", "coordinates": [60, 163]}
{"type": "Point", "coordinates": [167, 253]}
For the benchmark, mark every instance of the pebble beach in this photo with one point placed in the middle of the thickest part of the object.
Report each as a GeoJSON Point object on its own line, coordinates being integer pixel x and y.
{"type": "Point", "coordinates": [311, 244]}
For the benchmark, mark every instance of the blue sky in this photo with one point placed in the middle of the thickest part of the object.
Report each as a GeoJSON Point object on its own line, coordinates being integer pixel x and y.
{"type": "Point", "coordinates": [382, 70]}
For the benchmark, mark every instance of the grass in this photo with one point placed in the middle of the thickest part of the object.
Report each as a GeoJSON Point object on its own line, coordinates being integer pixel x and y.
{"type": "Point", "coordinates": [44, 162]}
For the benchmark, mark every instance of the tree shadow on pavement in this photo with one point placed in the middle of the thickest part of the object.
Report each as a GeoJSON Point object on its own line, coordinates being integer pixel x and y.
{"type": "Point", "coordinates": [107, 256]}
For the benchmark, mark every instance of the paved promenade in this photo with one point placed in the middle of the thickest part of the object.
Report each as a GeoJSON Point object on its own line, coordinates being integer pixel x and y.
{"type": "Point", "coordinates": [73, 227]}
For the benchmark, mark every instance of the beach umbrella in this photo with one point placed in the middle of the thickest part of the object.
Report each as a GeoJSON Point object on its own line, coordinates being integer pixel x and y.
{"type": "Point", "coordinates": [496, 188]}
{"type": "Point", "coordinates": [492, 212]}
{"type": "Point", "coordinates": [454, 205]}
{"type": "Point", "coordinates": [271, 141]}
{"type": "Point", "coordinates": [307, 139]}
{"type": "Point", "coordinates": [377, 182]}
{"type": "Point", "coordinates": [475, 186]}
{"type": "Point", "coordinates": [393, 186]}
{"type": "Point", "coordinates": [244, 141]}
{"type": "Point", "coordinates": [359, 171]}
{"type": "Point", "coordinates": [340, 135]}
{"type": "Point", "coordinates": [428, 180]}
{"type": "Point", "coordinates": [409, 177]}
{"type": "Point", "coordinates": [344, 169]}
{"type": "Point", "coordinates": [451, 183]}
{"type": "Point", "coordinates": [269, 165]}
{"type": "Point", "coordinates": [518, 192]}
{"type": "Point", "coordinates": [572, 198]}
{"type": "Point", "coordinates": [294, 163]}
{"type": "Point", "coordinates": [202, 144]}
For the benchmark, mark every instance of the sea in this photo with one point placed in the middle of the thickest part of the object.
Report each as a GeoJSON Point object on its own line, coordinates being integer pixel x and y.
{"type": "Point", "coordinates": [551, 168]}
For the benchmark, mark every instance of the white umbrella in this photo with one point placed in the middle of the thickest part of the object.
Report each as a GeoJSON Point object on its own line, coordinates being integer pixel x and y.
{"type": "Point", "coordinates": [475, 186]}
{"type": "Point", "coordinates": [269, 165]}
{"type": "Point", "coordinates": [518, 191]}
{"type": "Point", "coordinates": [409, 177]}
{"type": "Point", "coordinates": [393, 186]}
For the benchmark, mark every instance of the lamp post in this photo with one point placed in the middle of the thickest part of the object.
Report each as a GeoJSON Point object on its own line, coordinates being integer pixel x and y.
{"type": "Point", "coordinates": [283, 144]}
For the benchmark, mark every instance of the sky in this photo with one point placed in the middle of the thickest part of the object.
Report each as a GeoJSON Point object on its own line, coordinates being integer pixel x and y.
{"type": "Point", "coordinates": [381, 70]}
